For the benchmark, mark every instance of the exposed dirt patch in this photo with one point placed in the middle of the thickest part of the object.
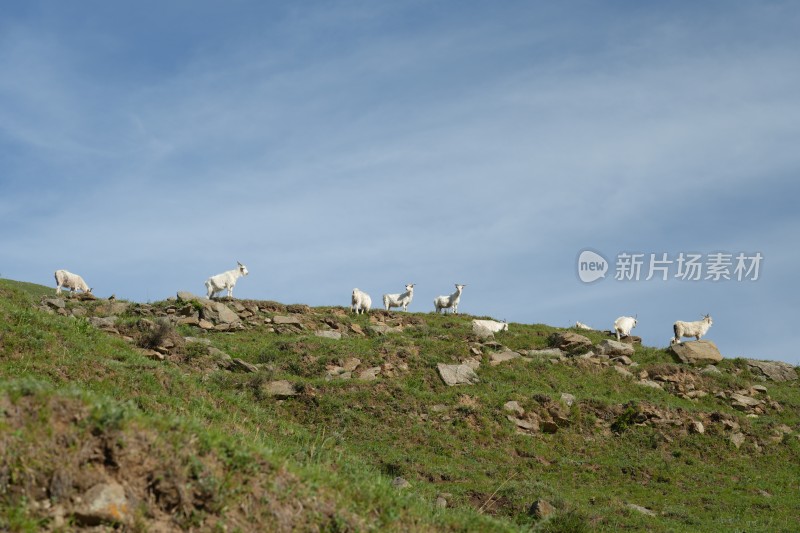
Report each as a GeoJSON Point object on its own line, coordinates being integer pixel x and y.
{"type": "Point", "coordinates": [57, 452]}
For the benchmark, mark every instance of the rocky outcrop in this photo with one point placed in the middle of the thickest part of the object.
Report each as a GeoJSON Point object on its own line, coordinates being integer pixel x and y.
{"type": "Point", "coordinates": [700, 352]}
{"type": "Point", "coordinates": [774, 370]}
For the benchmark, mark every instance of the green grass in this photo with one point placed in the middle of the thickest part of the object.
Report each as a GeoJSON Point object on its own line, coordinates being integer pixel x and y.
{"type": "Point", "coordinates": [349, 438]}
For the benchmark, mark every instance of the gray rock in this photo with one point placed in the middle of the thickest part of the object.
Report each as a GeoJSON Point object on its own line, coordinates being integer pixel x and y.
{"type": "Point", "coordinates": [335, 335]}
{"type": "Point", "coordinates": [541, 509]}
{"type": "Point", "coordinates": [184, 296]}
{"type": "Point", "coordinates": [514, 407]}
{"type": "Point", "coordinates": [501, 357]}
{"type": "Point", "coordinates": [369, 374]}
{"type": "Point", "coordinates": [711, 370]}
{"type": "Point", "coordinates": [570, 342]}
{"type": "Point", "coordinates": [742, 402]}
{"type": "Point", "coordinates": [640, 509]}
{"type": "Point", "coordinates": [111, 308]}
{"type": "Point", "coordinates": [696, 352]}
{"type": "Point", "coordinates": [287, 320]}
{"type": "Point", "coordinates": [609, 347]}
{"type": "Point", "coordinates": [623, 360]}
{"type": "Point", "coordinates": [737, 439]}
{"type": "Point", "coordinates": [351, 363]}
{"type": "Point", "coordinates": [103, 322]}
{"type": "Point", "coordinates": [649, 383]}
{"type": "Point", "coordinates": [198, 340]}
{"type": "Point", "coordinates": [238, 365]}
{"type": "Point", "coordinates": [774, 370]}
{"type": "Point", "coordinates": [104, 503]}
{"type": "Point", "coordinates": [457, 374]}
{"type": "Point", "coordinates": [383, 329]}
{"type": "Point", "coordinates": [547, 352]}
{"type": "Point", "coordinates": [528, 425]}
{"type": "Point", "coordinates": [697, 427]}
{"type": "Point", "coordinates": [441, 502]}
{"type": "Point", "coordinates": [280, 389]}
{"type": "Point", "coordinates": [624, 372]}
{"type": "Point", "coordinates": [760, 388]}
{"type": "Point", "coordinates": [56, 303]}
{"type": "Point", "coordinates": [568, 399]}
{"type": "Point", "coordinates": [400, 483]}
{"type": "Point", "coordinates": [78, 312]}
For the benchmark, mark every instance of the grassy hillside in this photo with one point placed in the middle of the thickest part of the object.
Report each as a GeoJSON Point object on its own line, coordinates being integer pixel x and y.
{"type": "Point", "coordinates": [200, 440]}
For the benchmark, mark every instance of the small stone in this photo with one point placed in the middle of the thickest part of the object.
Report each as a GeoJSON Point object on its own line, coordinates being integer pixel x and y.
{"type": "Point", "coordinates": [568, 399]}
{"type": "Point", "coordinates": [711, 370]}
{"type": "Point", "coordinates": [335, 335]}
{"type": "Point", "coordinates": [623, 360]}
{"type": "Point", "coordinates": [287, 320]}
{"type": "Point", "coordinates": [760, 388]}
{"type": "Point", "coordinates": [350, 364]}
{"type": "Point", "coordinates": [242, 366]}
{"type": "Point", "coordinates": [624, 372]}
{"type": "Point", "coordinates": [549, 426]}
{"type": "Point", "coordinates": [104, 503]}
{"type": "Point", "coordinates": [640, 509]}
{"type": "Point", "coordinates": [697, 427]}
{"type": "Point", "coordinates": [737, 439]}
{"type": "Point", "coordinates": [400, 483]}
{"type": "Point", "coordinates": [441, 503]}
{"type": "Point", "coordinates": [205, 324]}
{"type": "Point", "coordinates": [514, 407]}
{"type": "Point", "coordinates": [649, 383]}
{"type": "Point", "coordinates": [280, 389]}
{"type": "Point", "coordinates": [529, 425]}
{"type": "Point", "coordinates": [369, 374]}
{"type": "Point", "coordinates": [541, 509]}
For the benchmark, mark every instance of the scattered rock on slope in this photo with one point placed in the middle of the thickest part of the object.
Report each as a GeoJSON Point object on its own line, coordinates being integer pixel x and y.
{"type": "Point", "coordinates": [774, 370]}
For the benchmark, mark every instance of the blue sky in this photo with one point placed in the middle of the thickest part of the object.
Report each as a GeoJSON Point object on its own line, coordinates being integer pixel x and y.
{"type": "Point", "coordinates": [332, 145]}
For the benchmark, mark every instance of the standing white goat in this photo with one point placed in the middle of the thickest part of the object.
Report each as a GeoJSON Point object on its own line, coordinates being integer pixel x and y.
{"type": "Point", "coordinates": [447, 302]}
{"type": "Point", "coordinates": [691, 329]}
{"type": "Point", "coordinates": [399, 300]}
{"type": "Point", "coordinates": [71, 281]}
{"type": "Point", "coordinates": [226, 280]}
{"type": "Point", "coordinates": [623, 325]}
{"type": "Point", "coordinates": [360, 302]}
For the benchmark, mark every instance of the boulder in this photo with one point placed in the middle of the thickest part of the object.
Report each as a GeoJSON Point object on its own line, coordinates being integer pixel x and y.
{"type": "Point", "coordinates": [700, 352]}
{"type": "Point", "coordinates": [457, 374]}
{"type": "Point", "coordinates": [185, 296]}
{"type": "Point", "coordinates": [383, 329]}
{"type": "Point", "coordinates": [521, 423]}
{"type": "Point", "coordinates": [570, 342]}
{"type": "Point", "coordinates": [774, 370]}
{"type": "Point", "coordinates": [742, 402]}
{"type": "Point", "coordinates": [609, 347]}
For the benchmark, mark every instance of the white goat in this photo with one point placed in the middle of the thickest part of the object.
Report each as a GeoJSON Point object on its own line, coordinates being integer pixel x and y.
{"type": "Point", "coordinates": [226, 280]}
{"type": "Point", "coordinates": [360, 302]}
{"type": "Point", "coordinates": [448, 302]}
{"type": "Point", "coordinates": [491, 325]}
{"type": "Point", "coordinates": [623, 325]}
{"type": "Point", "coordinates": [691, 329]}
{"type": "Point", "coordinates": [399, 300]}
{"type": "Point", "coordinates": [71, 281]}
{"type": "Point", "coordinates": [581, 325]}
